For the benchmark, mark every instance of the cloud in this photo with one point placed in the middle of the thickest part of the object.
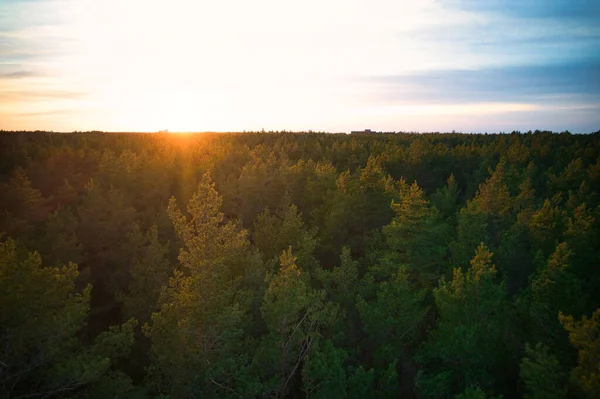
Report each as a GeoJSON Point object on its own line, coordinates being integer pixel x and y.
{"type": "Point", "coordinates": [32, 31]}
{"type": "Point", "coordinates": [17, 74]}
{"type": "Point", "coordinates": [20, 14]}
{"type": "Point", "coordinates": [50, 113]}
{"type": "Point", "coordinates": [514, 33]}
{"type": "Point", "coordinates": [39, 95]}
{"type": "Point", "coordinates": [540, 9]}
{"type": "Point", "coordinates": [547, 83]}
{"type": "Point", "coordinates": [550, 96]}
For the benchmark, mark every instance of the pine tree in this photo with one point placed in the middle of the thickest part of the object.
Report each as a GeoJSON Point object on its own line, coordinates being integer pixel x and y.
{"type": "Point", "coordinates": [273, 233]}
{"type": "Point", "coordinates": [484, 217]}
{"type": "Point", "coordinates": [196, 334]}
{"type": "Point", "coordinates": [324, 375]}
{"type": "Point", "coordinates": [392, 320]}
{"type": "Point", "coordinates": [42, 318]}
{"type": "Point", "coordinates": [417, 235]}
{"type": "Point", "coordinates": [493, 196]}
{"type": "Point", "coordinates": [467, 345]}
{"type": "Point", "coordinates": [149, 275]}
{"type": "Point", "coordinates": [21, 205]}
{"type": "Point", "coordinates": [542, 374]}
{"type": "Point", "coordinates": [581, 235]}
{"type": "Point", "coordinates": [585, 337]}
{"type": "Point", "coordinates": [546, 226]}
{"type": "Point", "coordinates": [295, 316]}
{"type": "Point", "coordinates": [446, 198]}
{"type": "Point", "coordinates": [554, 288]}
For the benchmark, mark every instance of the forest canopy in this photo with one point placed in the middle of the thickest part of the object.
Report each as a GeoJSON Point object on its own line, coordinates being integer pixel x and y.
{"type": "Point", "coordinates": [293, 265]}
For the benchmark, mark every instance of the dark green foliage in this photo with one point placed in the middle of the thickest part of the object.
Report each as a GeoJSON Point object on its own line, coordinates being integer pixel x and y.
{"type": "Point", "coordinates": [296, 316]}
{"type": "Point", "coordinates": [41, 318]}
{"type": "Point", "coordinates": [196, 334]}
{"type": "Point", "coordinates": [358, 207]}
{"type": "Point", "coordinates": [391, 320]}
{"type": "Point", "coordinates": [323, 374]}
{"type": "Point", "coordinates": [585, 337]}
{"type": "Point", "coordinates": [149, 274]}
{"type": "Point", "coordinates": [542, 374]}
{"type": "Point", "coordinates": [446, 199]}
{"type": "Point", "coordinates": [417, 236]}
{"type": "Point", "coordinates": [273, 233]}
{"type": "Point", "coordinates": [467, 345]}
{"type": "Point", "coordinates": [554, 288]}
{"type": "Point", "coordinates": [475, 393]}
{"type": "Point", "coordinates": [303, 265]}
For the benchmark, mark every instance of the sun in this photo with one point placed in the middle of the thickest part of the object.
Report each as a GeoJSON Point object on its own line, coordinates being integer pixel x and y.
{"type": "Point", "coordinates": [178, 133]}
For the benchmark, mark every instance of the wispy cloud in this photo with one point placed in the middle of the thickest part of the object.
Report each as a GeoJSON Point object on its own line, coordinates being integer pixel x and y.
{"type": "Point", "coordinates": [538, 9]}
{"type": "Point", "coordinates": [16, 75]}
{"type": "Point", "coordinates": [567, 82]}
{"type": "Point", "coordinates": [49, 113]}
{"type": "Point", "coordinates": [42, 94]}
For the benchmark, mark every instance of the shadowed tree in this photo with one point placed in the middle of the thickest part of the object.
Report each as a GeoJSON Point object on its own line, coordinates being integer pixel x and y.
{"type": "Point", "coordinates": [21, 205]}
{"type": "Point", "coordinates": [149, 274]}
{"type": "Point", "coordinates": [585, 337]}
{"type": "Point", "coordinates": [324, 375]}
{"type": "Point", "coordinates": [484, 217]}
{"type": "Point", "coordinates": [555, 288]}
{"type": "Point", "coordinates": [41, 320]}
{"type": "Point", "coordinates": [274, 233]}
{"type": "Point", "coordinates": [467, 345]}
{"type": "Point", "coordinates": [295, 316]}
{"type": "Point", "coordinates": [446, 199]}
{"type": "Point", "coordinates": [542, 374]}
{"type": "Point", "coordinates": [417, 236]}
{"type": "Point", "coordinates": [392, 320]}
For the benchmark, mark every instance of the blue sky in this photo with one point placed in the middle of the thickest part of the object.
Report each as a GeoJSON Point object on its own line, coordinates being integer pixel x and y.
{"type": "Point", "coordinates": [421, 65]}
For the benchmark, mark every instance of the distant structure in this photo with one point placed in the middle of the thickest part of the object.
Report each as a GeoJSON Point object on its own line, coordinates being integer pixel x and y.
{"type": "Point", "coordinates": [366, 131]}
{"type": "Point", "coordinates": [164, 131]}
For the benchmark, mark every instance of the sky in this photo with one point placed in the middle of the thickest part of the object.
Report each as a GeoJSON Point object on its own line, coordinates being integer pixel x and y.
{"type": "Point", "coordinates": [321, 65]}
